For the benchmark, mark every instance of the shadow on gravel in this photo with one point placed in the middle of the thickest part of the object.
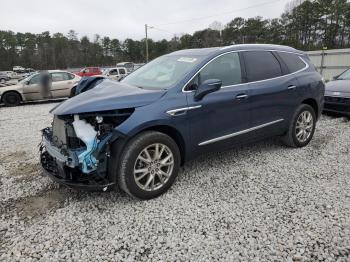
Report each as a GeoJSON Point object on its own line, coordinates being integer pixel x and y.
{"type": "Point", "coordinates": [20, 167]}
{"type": "Point", "coordinates": [40, 204]}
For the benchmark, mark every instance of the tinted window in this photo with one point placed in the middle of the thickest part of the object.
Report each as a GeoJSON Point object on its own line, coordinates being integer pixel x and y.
{"type": "Point", "coordinates": [292, 61]}
{"type": "Point", "coordinates": [261, 65]}
{"type": "Point", "coordinates": [122, 71]}
{"type": "Point", "coordinates": [226, 68]}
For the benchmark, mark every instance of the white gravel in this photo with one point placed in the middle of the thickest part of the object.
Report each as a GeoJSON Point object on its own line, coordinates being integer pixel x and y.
{"type": "Point", "coordinates": [262, 202]}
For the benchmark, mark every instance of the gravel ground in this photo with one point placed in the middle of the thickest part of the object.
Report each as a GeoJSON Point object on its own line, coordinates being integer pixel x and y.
{"type": "Point", "coordinates": [262, 202]}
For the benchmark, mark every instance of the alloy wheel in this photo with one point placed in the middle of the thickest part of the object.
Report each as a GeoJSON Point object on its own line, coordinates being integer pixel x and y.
{"type": "Point", "coordinates": [304, 126]}
{"type": "Point", "coordinates": [153, 167]}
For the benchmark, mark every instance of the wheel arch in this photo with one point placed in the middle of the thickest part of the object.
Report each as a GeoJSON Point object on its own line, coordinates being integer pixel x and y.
{"type": "Point", "coordinates": [313, 103]}
{"type": "Point", "coordinates": [174, 134]}
{"type": "Point", "coordinates": [11, 91]}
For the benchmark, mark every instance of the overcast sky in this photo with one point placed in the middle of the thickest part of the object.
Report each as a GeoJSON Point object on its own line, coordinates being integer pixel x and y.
{"type": "Point", "coordinates": [126, 19]}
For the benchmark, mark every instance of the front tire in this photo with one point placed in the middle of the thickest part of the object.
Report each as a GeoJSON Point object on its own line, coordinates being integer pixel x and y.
{"type": "Point", "coordinates": [11, 99]}
{"type": "Point", "coordinates": [148, 165]}
{"type": "Point", "coordinates": [301, 128]}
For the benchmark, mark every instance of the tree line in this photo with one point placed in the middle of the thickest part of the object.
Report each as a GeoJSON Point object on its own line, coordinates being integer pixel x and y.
{"type": "Point", "coordinates": [305, 24]}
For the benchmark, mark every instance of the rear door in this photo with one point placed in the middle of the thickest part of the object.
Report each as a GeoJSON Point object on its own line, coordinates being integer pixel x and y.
{"type": "Point", "coordinates": [220, 116]}
{"type": "Point", "coordinates": [61, 84]}
{"type": "Point", "coordinates": [272, 90]}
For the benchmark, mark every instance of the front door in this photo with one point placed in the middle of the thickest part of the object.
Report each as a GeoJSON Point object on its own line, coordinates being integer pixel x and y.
{"type": "Point", "coordinates": [220, 117]}
{"type": "Point", "coordinates": [32, 89]}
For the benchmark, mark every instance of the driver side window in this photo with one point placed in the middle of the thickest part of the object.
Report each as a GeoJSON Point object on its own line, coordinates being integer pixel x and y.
{"type": "Point", "coordinates": [34, 80]}
{"type": "Point", "coordinates": [226, 68]}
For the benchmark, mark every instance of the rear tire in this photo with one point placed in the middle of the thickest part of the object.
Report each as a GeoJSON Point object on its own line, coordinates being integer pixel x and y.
{"type": "Point", "coordinates": [11, 99]}
{"type": "Point", "coordinates": [301, 128]}
{"type": "Point", "coordinates": [148, 165]}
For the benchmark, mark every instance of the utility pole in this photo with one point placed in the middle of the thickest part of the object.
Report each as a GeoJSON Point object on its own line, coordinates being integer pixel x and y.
{"type": "Point", "coordinates": [146, 27]}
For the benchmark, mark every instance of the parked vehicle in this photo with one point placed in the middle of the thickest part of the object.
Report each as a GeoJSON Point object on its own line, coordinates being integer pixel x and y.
{"type": "Point", "coordinates": [115, 73]}
{"type": "Point", "coordinates": [89, 71]}
{"type": "Point", "coordinates": [18, 68]}
{"type": "Point", "coordinates": [128, 65]}
{"type": "Point", "coordinates": [29, 89]}
{"type": "Point", "coordinates": [86, 83]}
{"type": "Point", "coordinates": [137, 132]}
{"type": "Point", "coordinates": [4, 77]}
{"type": "Point", "coordinates": [337, 96]}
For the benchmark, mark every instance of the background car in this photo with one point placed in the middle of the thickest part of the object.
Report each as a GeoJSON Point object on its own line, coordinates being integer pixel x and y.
{"type": "Point", "coordinates": [115, 73]}
{"type": "Point", "coordinates": [128, 65]}
{"type": "Point", "coordinates": [89, 71]}
{"type": "Point", "coordinates": [4, 78]}
{"type": "Point", "coordinates": [337, 94]}
{"type": "Point", "coordinates": [30, 88]}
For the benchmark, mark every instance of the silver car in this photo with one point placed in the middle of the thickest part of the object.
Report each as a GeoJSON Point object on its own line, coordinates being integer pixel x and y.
{"type": "Point", "coordinates": [30, 88]}
{"type": "Point", "coordinates": [337, 94]}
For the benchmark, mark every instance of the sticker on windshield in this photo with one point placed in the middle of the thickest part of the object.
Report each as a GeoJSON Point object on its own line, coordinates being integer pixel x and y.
{"type": "Point", "coordinates": [187, 59]}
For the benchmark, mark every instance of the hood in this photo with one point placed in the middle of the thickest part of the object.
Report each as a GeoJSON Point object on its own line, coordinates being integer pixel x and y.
{"type": "Point", "coordinates": [108, 95]}
{"type": "Point", "coordinates": [340, 86]}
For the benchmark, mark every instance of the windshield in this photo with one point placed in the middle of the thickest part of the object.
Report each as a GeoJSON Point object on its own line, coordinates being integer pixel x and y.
{"type": "Point", "coordinates": [163, 72]}
{"type": "Point", "coordinates": [27, 78]}
{"type": "Point", "coordinates": [345, 75]}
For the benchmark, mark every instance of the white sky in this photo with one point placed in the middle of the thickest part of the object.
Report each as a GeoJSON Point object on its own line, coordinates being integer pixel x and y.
{"type": "Point", "coordinates": [126, 19]}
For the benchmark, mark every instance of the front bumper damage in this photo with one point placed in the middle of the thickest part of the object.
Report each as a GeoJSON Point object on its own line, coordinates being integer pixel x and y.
{"type": "Point", "coordinates": [82, 167]}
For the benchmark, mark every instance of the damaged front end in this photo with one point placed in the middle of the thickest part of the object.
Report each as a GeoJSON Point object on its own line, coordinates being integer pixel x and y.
{"type": "Point", "coordinates": [76, 149]}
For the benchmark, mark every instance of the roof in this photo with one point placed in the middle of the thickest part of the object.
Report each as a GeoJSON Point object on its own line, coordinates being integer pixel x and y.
{"type": "Point", "coordinates": [219, 50]}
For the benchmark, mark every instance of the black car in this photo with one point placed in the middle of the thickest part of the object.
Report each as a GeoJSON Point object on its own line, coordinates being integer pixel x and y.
{"type": "Point", "coordinates": [337, 94]}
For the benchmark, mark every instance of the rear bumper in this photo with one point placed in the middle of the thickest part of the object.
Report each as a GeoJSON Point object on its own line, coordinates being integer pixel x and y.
{"type": "Point", "coordinates": [63, 168]}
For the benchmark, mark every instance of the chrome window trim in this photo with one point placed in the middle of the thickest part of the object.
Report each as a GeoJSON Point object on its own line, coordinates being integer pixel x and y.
{"type": "Point", "coordinates": [236, 51]}
{"type": "Point", "coordinates": [173, 112]}
{"type": "Point", "coordinates": [217, 139]}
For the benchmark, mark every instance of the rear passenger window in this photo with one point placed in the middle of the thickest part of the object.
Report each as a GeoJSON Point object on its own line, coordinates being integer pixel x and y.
{"type": "Point", "coordinates": [261, 65]}
{"type": "Point", "coordinates": [292, 61]}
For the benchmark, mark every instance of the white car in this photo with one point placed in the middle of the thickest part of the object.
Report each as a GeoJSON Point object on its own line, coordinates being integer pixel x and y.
{"type": "Point", "coordinates": [115, 73]}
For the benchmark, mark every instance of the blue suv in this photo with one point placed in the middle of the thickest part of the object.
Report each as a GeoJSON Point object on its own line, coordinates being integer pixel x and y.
{"type": "Point", "coordinates": [136, 133]}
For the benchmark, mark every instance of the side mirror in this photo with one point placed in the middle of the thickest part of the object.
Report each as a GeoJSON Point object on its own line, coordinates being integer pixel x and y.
{"type": "Point", "coordinates": [207, 87]}
{"type": "Point", "coordinates": [335, 77]}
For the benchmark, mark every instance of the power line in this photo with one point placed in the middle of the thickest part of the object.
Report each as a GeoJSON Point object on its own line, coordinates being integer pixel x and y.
{"type": "Point", "coordinates": [219, 14]}
{"type": "Point", "coordinates": [163, 30]}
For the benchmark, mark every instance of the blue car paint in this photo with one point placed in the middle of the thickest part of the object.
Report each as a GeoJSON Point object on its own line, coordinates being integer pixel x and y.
{"type": "Point", "coordinates": [267, 101]}
{"type": "Point", "coordinates": [108, 95]}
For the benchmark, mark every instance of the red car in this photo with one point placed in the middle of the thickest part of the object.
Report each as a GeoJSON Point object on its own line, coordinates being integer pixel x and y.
{"type": "Point", "coordinates": [89, 71]}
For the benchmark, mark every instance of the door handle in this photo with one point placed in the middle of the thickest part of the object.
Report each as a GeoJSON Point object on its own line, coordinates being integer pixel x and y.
{"type": "Point", "coordinates": [241, 96]}
{"type": "Point", "coordinates": [292, 87]}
